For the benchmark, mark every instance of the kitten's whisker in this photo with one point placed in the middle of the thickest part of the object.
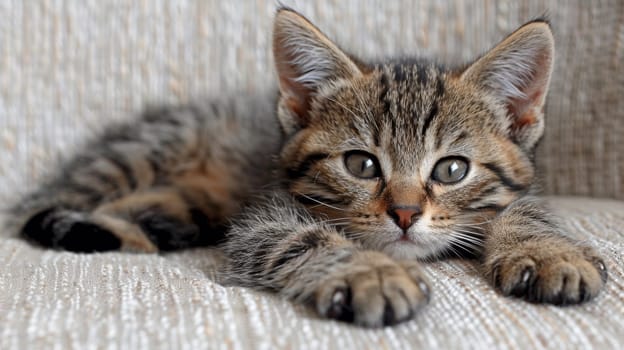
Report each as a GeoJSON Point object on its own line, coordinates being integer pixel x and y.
{"type": "Point", "coordinates": [337, 219]}
{"type": "Point", "coordinates": [356, 235]}
{"type": "Point", "coordinates": [476, 234]}
{"type": "Point", "coordinates": [320, 202]}
{"type": "Point", "coordinates": [480, 225]}
{"type": "Point", "coordinates": [338, 223]}
{"type": "Point", "coordinates": [452, 248]}
{"type": "Point", "coordinates": [465, 249]}
{"type": "Point", "coordinates": [470, 224]}
{"type": "Point", "coordinates": [467, 237]}
{"type": "Point", "coordinates": [465, 245]}
{"type": "Point", "coordinates": [458, 239]}
{"type": "Point", "coordinates": [475, 230]}
{"type": "Point", "coordinates": [461, 243]}
{"type": "Point", "coordinates": [467, 225]}
{"type": "Point", "coordinates": [468, 234]}
{"type": "Point", "coordinates": [484, 222]}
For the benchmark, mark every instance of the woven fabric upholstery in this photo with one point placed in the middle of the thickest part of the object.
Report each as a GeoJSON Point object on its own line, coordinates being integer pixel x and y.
{"type": "Point", "coordinates": [67, 68]}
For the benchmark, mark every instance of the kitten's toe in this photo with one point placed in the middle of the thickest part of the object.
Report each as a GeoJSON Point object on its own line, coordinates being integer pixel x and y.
{"type": "Point", "coordinates": [415, 272]}
{"type": "Point", "coordinates": [374, 292]}
{"type": "Point", "coordinates": [561, 275]}
{"type": "Point", "coordinates": [558, 284]}
{"type": "Point", "coordinates": [404, 300]}
{"type": "Point", "coordinates": [514, 278]}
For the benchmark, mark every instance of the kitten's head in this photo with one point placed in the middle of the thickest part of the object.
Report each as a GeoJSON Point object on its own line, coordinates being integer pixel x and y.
{"type": "Point", "coordinates": [406, 157]}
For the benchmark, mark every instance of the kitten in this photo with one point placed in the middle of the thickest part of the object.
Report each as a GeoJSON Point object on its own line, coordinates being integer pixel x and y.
{"type": "Point", "coordinates": [369, 168]}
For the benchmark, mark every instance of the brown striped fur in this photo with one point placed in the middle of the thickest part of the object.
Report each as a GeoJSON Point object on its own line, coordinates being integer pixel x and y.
{"type": "Point", "coordinates": [337, 206]}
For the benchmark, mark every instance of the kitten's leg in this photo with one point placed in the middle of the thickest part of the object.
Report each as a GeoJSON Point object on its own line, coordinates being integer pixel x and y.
{"type": "Point", "coordinates": [205, 153]}
{"type": "Point", "coordinates": [280, 248]}
{"type": "Point", "coordinates": [159, 219]}
{"type": "Point", "coordinates": [528, 256]}
{"type": "Point", "coordinates": [163, 216]}
{"type": "Point", "coordinates": [70, 230]}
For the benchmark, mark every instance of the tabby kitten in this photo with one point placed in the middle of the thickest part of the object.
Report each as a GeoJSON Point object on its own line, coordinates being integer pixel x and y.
{"type": "Point", "coordinates": [377, 166]}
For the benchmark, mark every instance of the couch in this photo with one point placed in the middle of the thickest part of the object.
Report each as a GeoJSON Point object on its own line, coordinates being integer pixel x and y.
{"type": "Point", "coordinates": [67, 68]}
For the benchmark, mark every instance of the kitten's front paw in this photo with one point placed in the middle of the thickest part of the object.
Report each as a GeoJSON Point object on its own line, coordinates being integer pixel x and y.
{"type": "Point", "coordinates": [549, 272]}
{"type": "Point", "coordinates": [373, 290]}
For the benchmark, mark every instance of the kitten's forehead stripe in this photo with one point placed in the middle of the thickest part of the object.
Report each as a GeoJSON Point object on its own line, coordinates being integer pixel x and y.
{"type": "Point", "coordinates": [422, 75]}
{"type": "Point", "coordinates": [409, 95]}
{"type": "Point", "coordinates": [384, 87]}
{"type": "Point", "coordinates": [432, 114]}
{"type": "Point", "coordinates": [459, 138]}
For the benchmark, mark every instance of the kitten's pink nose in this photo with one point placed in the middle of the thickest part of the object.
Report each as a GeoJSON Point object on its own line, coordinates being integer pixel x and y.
{"type": "Point", "coordinates": [405, 215]}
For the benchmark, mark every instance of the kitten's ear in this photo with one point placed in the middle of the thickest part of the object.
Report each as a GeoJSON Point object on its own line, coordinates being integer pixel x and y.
{"type": "Point", "coordinates": [517, 71]}
{"type": "Point", "coordinates": [305, 60]}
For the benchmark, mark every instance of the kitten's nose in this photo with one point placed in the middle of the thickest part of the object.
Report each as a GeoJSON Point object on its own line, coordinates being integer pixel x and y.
{"type": "Point", "coordinates": [405, 215]}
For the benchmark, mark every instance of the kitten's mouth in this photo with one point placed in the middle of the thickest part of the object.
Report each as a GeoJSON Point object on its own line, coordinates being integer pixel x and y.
{"type": "Point", "coordinates": [405, 239]}
{"type": "Point", "coordinates": [416, 244]}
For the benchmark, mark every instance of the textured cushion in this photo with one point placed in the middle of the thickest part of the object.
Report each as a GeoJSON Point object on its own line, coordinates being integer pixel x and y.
{"type": "Point", "coordinates": [68, 67]}
{"type": "Point", "coordinates": [130, 301]}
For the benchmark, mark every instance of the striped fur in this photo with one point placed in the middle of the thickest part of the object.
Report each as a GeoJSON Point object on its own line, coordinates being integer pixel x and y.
{"type": "Point", "coordinates": [294, 218]}
{"type": "Point", "coordinates": [170, 180]}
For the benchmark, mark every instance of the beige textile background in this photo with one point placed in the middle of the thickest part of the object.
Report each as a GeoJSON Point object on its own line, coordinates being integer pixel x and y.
{"type": "Point", "coordinates": [68, 67]}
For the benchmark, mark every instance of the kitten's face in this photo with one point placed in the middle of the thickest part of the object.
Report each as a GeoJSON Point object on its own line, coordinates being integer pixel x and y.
{"type": "Point", "coordinates": [406, 158]}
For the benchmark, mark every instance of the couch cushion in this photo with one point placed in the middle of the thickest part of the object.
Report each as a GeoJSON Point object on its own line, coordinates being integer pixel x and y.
{"type": "Point", "coordinates": [131, 301]}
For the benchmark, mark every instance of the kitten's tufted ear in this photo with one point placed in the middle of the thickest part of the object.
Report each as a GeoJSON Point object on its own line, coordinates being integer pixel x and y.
{"type": "Point", "coordinates": [517, 71]}
{"type": "Point", "coordinates": [305, 60]}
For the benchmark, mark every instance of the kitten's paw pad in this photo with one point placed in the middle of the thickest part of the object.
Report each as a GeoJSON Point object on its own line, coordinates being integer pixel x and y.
{"type": "Point", "coordinates": [547, 274]}
{"type": "Point", "coordinates": [69, 230]}
{"type": "Point", "coordinates": [374, 291]}
{"type": "Point", "coordinates": [88, 237]}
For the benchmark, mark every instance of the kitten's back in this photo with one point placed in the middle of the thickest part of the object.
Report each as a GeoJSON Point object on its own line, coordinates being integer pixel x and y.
{"type": "Point", "coordinates": [192, 165]}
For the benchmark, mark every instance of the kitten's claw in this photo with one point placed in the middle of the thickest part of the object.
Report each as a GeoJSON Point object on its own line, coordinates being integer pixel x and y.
{"type": "Point", "coordinates": [424, 288]}
{"type": "Point", "coordinates": [602, 269]}
{"type": "Point", "coordinates": [524, 283]}
{"type": "Point", "coordinates": [549, 272]}
{"type": "Point", "coordinates": [339, 308]}
{"type": "Point", "coordinates": [373, 291]}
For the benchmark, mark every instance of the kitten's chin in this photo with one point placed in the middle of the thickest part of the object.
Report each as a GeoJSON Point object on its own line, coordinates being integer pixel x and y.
{"type": "Point", "coordinates": [404, 250]}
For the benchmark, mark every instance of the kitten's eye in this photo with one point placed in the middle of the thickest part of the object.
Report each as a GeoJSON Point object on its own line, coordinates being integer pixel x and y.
{"type": "Point", "coordinates": [361, 164]}
{"type": "Point", "coordinates": [450, 170]}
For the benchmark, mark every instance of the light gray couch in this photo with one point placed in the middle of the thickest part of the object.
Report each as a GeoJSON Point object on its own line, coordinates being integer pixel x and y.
{"type": "Point", "coordinates": [69, 67]}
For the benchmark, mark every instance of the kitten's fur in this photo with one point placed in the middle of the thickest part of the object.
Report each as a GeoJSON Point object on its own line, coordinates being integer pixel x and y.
{"type": "Point", "coordinates": [348, 245]}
